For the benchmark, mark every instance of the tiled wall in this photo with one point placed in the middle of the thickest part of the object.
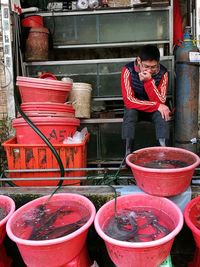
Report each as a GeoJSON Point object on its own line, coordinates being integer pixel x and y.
{"type": "Point", "coordinates": [3, 98]}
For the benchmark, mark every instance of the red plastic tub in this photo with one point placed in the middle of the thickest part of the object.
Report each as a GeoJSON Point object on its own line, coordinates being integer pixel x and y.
{"type": "Point", "coordinates": [64, 251]}
{"type": "Point", "coordinates": [55, 129]}
{"type": "Point", "coordinates": [139, 254]}
{"type": "Point", "coordinates": [27, 160]}
{"type": "Point", "coordinates": [191, 215]}
{"type": "Point", "coordinates": [167, 180]}
{"type": "Point", "coordinates": [33, 22]}
{"type": "Point", "coordinates": [8, 207]}
{"type": "Point", "coordinates": [32, 109]}
{"type": "Point", "coordinates": [43, 90]}
{"type": "Point", "coordinates": [5, 261]}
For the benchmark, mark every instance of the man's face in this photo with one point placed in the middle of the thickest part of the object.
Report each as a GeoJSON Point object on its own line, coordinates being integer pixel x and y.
{"type": "Point", "coordinates": [150, 66]}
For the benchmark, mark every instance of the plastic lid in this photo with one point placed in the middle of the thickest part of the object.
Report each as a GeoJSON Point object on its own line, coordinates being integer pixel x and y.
{"type": "Point", "coordinates": [38, 81]}
{"type": "Point", "coordinates": [47, 106]}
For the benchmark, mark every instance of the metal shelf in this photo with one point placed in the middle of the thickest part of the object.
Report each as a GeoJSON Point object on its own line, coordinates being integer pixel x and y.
{"type": "Point", "coordinates": [99, 28]}
{"type": "Point", "coordinates": [98, 121]}
{"type": "Point", "coordinates": [109, 45]}
{"type": "Point", "coordinates": [117, 98]}
{"type": "Point", "coordinates": [91, 32]}
{"type": "Point", "coordinates": [86, 61]}
{"type": "Point", "coordinates": [98, 11]}
{"type": "Point", "coordinates": [103, 74]}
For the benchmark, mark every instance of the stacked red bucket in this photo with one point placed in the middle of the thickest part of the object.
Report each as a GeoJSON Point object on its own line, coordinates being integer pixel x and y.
{"type": "Point", "coordinates": [43, 100]}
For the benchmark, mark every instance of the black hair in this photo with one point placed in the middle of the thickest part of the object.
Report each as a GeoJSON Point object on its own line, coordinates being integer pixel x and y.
{"type": "Point", "coordinates": [149, 52]}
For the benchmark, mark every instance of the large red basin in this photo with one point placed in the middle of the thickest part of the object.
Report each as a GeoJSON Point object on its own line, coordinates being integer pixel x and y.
{"type": "Point", "coordinates": [43, 90]}
{"type": "Point", "coordinates": [169, 180]}
{"type": "Point", "coordinates": [191, 215]}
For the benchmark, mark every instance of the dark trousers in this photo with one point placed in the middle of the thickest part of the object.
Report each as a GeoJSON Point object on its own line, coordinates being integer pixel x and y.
{"type": "Point", "coordinates": [132, 116]}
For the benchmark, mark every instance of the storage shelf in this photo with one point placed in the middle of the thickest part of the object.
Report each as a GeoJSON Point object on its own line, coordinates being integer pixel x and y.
{"type": "Point", "coordinates": [100, 28]}
{"type": "Point", "coordinates": [102, 74]}
{"type": "Point", "coordinates": [91, 30]}
{"type": "Point", "coordinates": [98, 11]}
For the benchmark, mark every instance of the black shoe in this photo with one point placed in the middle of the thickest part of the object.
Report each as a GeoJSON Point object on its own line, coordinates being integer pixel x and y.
{"type": "Point", "coordinates": [129, 150]}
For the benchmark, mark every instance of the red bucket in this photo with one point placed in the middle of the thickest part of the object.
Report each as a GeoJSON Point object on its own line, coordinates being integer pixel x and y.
{"type": "Point", "coordinates": [139, 254]}
{"type": "Point", "coordinates": [33, 22]}
{"type": "Point", "coordinates": [45, 109]}
{"type": "Point", "coordinates": [5, 261]}
{"type": "Point", "coordinates": [7, 206]}
{"type": "Point", "coordinates": [191, 215]}
{"type": "Point", "coordinates": [47, 75]}
{"type": "Point", "coordinates": [63, 251]}
{"type": "Point", "coordinates": [55, 129]}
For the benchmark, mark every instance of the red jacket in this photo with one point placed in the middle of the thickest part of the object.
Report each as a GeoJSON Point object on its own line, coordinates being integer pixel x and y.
{"type": "Point", "coordinates": [156, 94]}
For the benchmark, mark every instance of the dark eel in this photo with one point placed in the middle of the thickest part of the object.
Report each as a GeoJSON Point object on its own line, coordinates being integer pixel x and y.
{"type": "Point", "coordinates": [124, 226]}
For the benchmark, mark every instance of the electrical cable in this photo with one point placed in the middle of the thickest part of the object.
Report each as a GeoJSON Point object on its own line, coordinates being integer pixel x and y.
{"type": "Point", "coordinates": [10, 75]}
{"type": "Point", "coordinates": [2, 175]}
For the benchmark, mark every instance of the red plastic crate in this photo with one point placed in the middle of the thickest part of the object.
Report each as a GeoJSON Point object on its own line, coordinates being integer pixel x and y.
{"type": "Point", "coordinates": [27, 156]}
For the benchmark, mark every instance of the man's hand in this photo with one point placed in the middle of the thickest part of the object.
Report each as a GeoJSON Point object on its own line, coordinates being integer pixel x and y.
{"type": "Point", "coordinates": [144, 76]}
{"type": "Point", "coordinates": [165, 112]}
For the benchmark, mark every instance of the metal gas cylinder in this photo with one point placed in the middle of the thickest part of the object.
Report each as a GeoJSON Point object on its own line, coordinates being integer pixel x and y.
{"type": "Point", "coordinates": [187, 91]}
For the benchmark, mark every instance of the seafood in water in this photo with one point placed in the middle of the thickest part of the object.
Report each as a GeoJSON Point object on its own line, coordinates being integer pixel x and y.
{"type": "Point", "coordinates": [121, 227]}
{"type": "Point", "coordinates": [165, 164]}
{"type": "Point", "coordinates": [51, 232]}
{"type": "Point", "coordinates": [136, 226]}
{"type": "Point", "coordinates": [44, 225]}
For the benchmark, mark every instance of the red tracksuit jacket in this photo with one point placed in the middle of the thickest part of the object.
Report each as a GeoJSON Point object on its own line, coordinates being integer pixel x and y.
{"type": "Point", "coordinates": [143, 96]}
